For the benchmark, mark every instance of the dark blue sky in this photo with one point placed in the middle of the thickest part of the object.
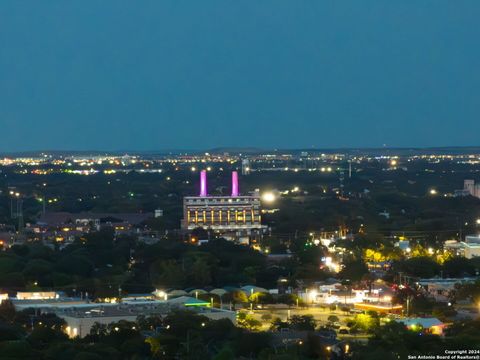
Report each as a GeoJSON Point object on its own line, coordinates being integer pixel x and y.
{"type": "Point", "coordinates": [150, 75]}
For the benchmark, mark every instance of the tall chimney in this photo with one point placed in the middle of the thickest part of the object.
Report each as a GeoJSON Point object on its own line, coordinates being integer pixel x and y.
{"type": "Point", "coordinates": [234, 183]}
{"type": "Point", "coordinates": [203, 183]}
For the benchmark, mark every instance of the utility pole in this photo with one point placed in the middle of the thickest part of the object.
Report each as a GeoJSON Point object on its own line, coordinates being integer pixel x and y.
{"type": "Point", "coordinates": [20, 213]}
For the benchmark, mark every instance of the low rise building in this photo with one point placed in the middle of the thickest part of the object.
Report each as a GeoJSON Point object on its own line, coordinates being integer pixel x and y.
{"type": "Point", "coordinates": [80, 315]}
{"type": "Point", "coordinates": [65, 227]}
{"type": "Point", "coordinates": [469, 248]}
{"type": "Point", "coordinates": [442, 289]}
{"type": "Point", "coordinates": [427, 325]}
{"type": "Point", "coordinates": [44, 301]}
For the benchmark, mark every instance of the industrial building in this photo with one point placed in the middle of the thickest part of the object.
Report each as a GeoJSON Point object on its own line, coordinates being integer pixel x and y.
{"type": "Point", "coordinates": [236, 216]}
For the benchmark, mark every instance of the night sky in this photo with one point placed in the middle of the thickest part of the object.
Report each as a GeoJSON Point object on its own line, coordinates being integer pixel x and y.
{"type": "Point", "coordinates": [198, 74]}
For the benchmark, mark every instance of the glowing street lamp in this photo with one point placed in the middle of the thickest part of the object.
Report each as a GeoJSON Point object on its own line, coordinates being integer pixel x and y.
{"type": "Point", "coordinates": [268, 197]}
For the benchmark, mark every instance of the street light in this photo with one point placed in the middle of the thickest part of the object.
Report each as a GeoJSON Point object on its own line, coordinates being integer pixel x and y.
{"type": "Point", "coordinates": [268, 197]}
{"type": "Point", "coordinates": [251, 299]}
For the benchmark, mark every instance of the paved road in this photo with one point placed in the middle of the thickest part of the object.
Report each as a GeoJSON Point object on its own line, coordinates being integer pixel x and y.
{"type": "Point", "coordinates": [319, 314]}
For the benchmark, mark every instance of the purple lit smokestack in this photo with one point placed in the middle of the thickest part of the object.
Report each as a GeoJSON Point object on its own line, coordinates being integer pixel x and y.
{"type": "Point", "coordinates": [234, 183]}
{"type": "Point", "coordinates": [203, 183]}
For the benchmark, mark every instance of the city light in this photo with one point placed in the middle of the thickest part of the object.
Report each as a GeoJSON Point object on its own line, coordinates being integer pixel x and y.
{"type": "Point", "coordinates": [433, 192]}
{"type": "Point", "coordinates": [268, 197]}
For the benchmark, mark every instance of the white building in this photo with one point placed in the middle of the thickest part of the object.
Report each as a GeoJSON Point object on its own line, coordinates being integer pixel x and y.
{"type": "Point", "coordinates": [441, 289]}
{"type": "Point", "coordinates": [469, 248]}
{"type": "Point", "coordinates": [472, 188]}
{"type": "Point", "coordinates": [81, 316]}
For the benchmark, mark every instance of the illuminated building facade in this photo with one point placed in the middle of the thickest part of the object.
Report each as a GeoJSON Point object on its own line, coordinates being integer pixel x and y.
{"type": "Point", "coordinates": [239, 214]}
{"type": "Point", "coordinates": [471, 188]}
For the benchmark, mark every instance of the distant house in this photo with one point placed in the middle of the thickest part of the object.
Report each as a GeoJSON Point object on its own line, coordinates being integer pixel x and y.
{"type": "Point", "coordinates": [65, 227]}
{"type": "Point", "coordinates": [87, 218]}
